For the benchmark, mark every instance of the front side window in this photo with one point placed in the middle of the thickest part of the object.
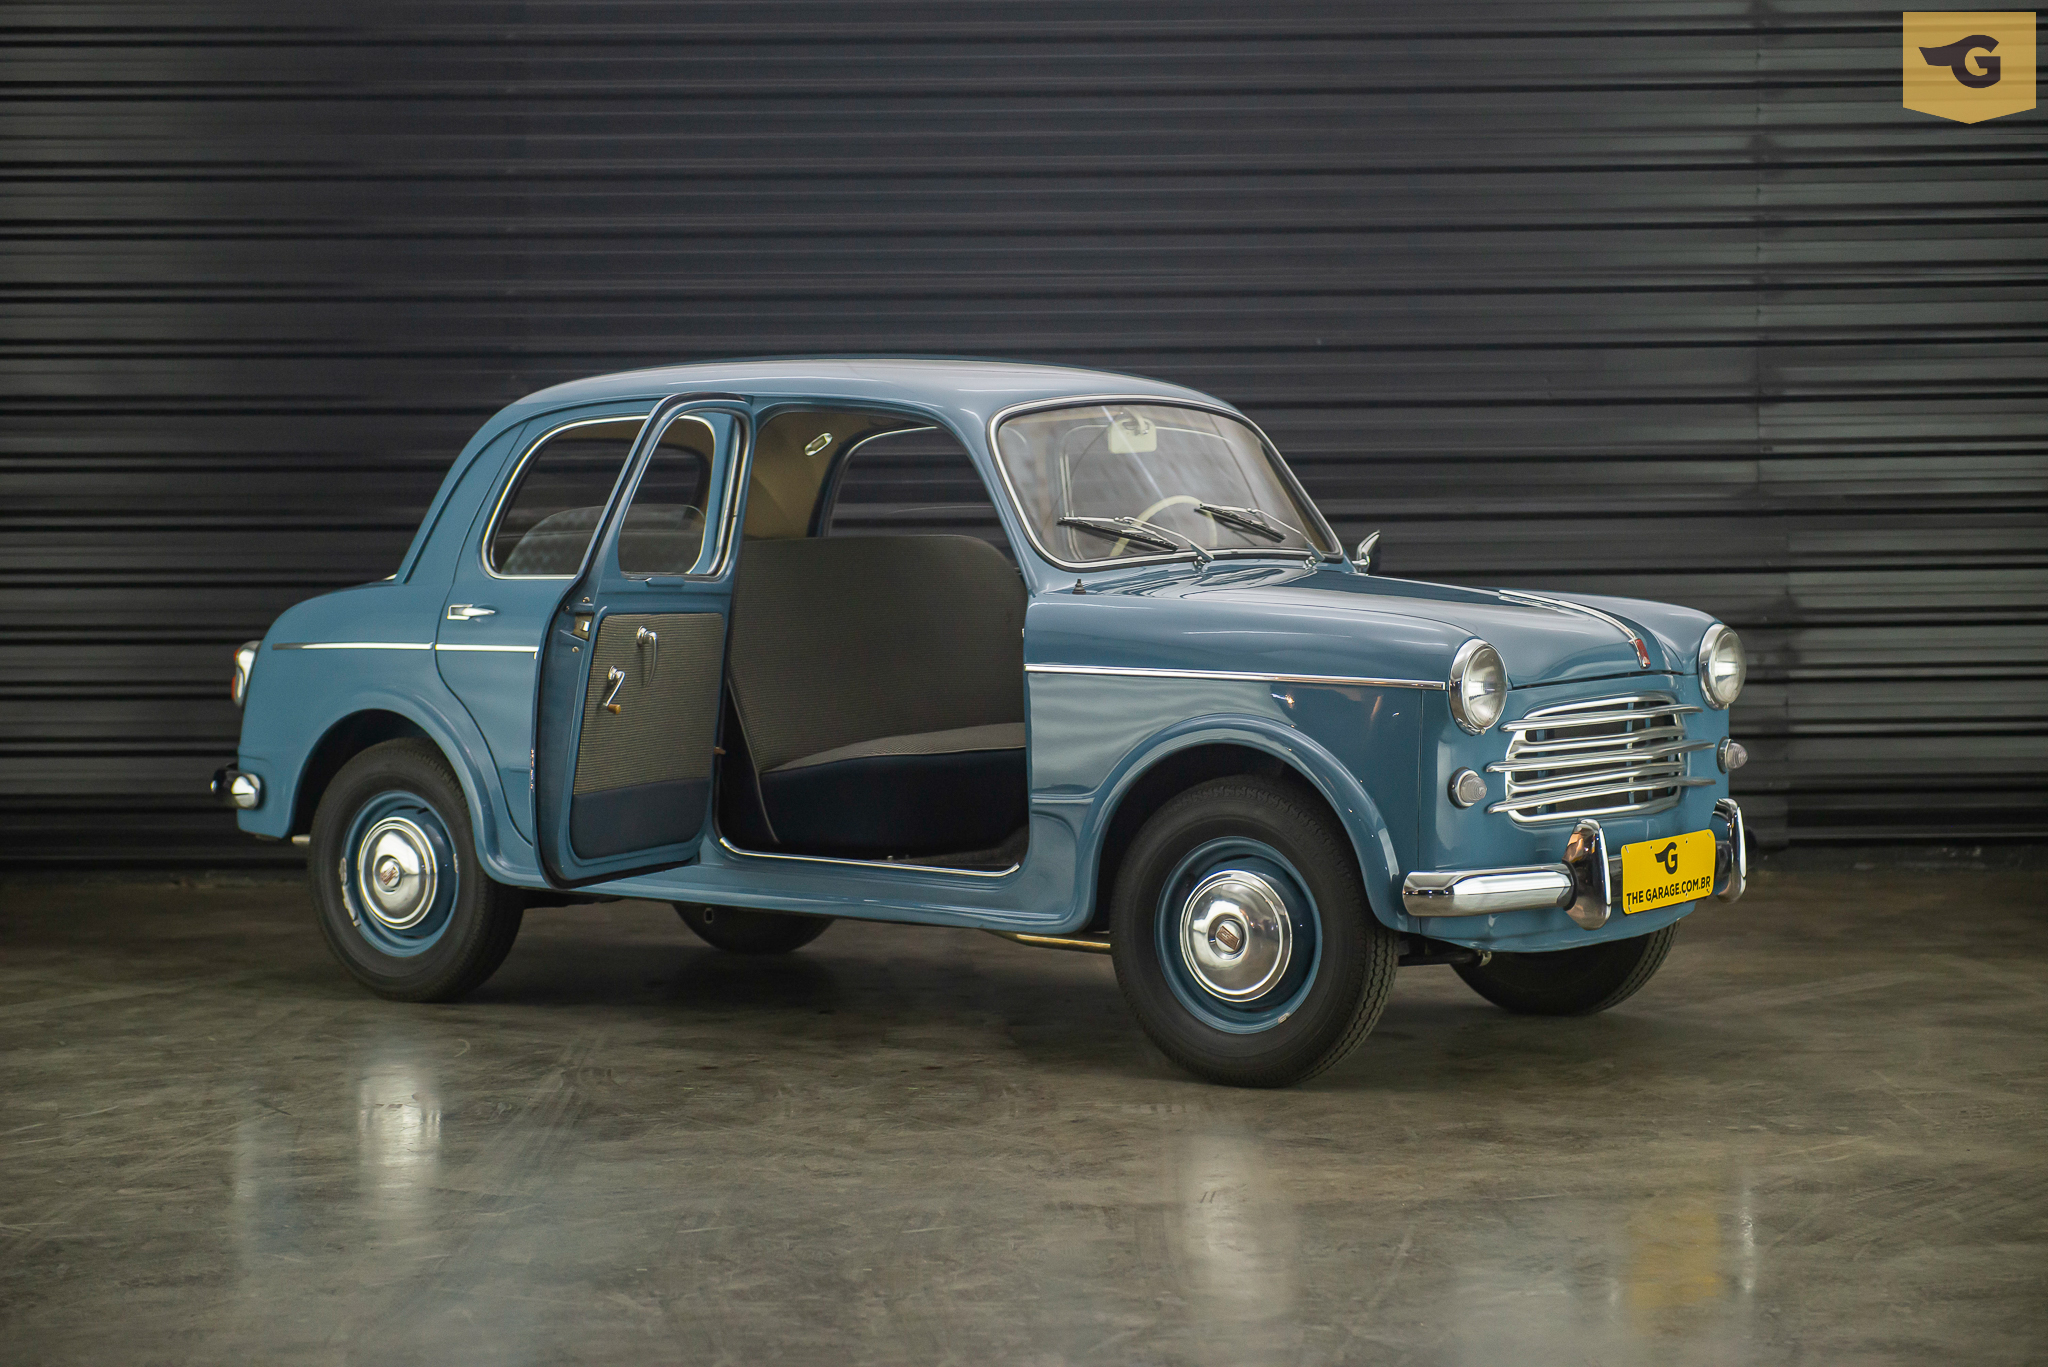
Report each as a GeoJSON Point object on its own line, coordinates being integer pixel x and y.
{"type": "Point", "coordinates": [1107, 482]}
{"type": "Point", "coordinates": [664, 528]}
{"type": "Point", "coordinates": [552, 511]}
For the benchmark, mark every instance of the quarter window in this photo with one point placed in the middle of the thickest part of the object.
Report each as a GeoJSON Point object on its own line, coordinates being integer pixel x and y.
{"type": "Point", "coordinates": [552, 512]}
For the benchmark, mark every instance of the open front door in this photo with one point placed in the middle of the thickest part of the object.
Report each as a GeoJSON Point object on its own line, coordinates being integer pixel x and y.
{"type": "Point", "coordinates": [633, 667]}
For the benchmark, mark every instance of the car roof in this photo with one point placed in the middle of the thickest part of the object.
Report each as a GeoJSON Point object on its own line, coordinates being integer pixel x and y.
{"type": "Point", "coordinates": [968, 389]}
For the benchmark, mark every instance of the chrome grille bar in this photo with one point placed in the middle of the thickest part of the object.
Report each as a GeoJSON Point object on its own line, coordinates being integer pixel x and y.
{"type": "Point", "coordinates": [1598, 757]}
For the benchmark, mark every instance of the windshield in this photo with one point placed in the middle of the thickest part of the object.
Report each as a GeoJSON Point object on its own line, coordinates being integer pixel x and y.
{"type": "Point", "coordinates": [1125, 481]}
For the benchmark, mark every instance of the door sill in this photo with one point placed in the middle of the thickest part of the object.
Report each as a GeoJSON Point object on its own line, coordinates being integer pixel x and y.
{"type": "Point", "coordinates": [893, 865]}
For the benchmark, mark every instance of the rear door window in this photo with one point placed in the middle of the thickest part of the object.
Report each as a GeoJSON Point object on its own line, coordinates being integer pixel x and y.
{"type": "Point", "coordinates": [552, 510]}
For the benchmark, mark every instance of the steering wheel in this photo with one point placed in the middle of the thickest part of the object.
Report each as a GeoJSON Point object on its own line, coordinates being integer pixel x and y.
{"type": "Point", "coordinates": [1171, 501]}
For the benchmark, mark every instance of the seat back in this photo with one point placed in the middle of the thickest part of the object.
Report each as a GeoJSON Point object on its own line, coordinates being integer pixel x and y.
{"type": "Point", "coordinates": [838, 640]}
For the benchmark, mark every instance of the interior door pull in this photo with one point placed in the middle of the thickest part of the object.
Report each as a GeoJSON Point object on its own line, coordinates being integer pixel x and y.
{"type": "Point", "coordinates": [650, 643]}
{"type": "Point", "coordinates": [616, 677]}
{"type": "Point", "coordinates": [463, 612]}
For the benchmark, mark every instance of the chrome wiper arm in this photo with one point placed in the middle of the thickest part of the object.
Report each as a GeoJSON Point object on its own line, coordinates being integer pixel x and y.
{"type": "Point", "coordinates": [1138, 530]}
{"type": "Point", "coordinates": [1253, 520]}
{"type": "Point", "coordinates": [1116, 529]}
{"type": "Point", "coordinates": [1201, 556]}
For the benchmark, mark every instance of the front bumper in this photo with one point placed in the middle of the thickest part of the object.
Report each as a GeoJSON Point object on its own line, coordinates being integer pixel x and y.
{"type": "Point", "coordinates": [1583, 886]}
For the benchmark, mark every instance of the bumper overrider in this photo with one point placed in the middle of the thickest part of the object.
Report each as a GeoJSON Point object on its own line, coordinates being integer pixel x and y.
{"type": "Point", "coordinates": [1584, 886]}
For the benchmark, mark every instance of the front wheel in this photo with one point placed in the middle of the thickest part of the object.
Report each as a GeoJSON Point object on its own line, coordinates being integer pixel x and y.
{"type": "Point", "coordinates": [1570, 982]}
{"type": "Point", "coordinates": [400, 896]}
{"type": "Point", "coordinates": [1242, 936]}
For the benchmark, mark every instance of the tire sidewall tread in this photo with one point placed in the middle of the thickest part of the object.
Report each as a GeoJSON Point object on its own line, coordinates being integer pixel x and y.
{"type": "Point", "coordinates": [1359, 955]}
{"type": "Point", "coordinates": [486, 916]}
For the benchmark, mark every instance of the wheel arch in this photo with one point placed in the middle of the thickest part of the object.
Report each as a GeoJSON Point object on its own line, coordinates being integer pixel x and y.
{"type": "Point", "coordinates": [342, 742]}
{"type": "Point", "coordinates": [384, 716]}
{"type": "Point", "coordinates": [1212, 748]}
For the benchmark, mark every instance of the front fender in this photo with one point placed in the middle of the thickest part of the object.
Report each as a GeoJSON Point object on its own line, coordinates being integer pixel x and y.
{"type": "Point", "coordinates": [1371, 840]}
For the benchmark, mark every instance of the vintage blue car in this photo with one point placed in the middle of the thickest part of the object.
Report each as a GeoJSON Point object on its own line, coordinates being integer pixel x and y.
{"type": "Point", "coordinates": [1146, 705]}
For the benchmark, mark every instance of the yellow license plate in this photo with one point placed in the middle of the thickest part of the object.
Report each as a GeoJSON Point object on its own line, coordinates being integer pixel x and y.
{"type": "Point", "coordinates": [1656, 873]}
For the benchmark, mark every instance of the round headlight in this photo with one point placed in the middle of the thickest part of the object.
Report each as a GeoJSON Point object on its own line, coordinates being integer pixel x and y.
{"type": "Point", "coordinates": [1479, 686]}
{"type": "Point", "coordinates": [1723, 666]}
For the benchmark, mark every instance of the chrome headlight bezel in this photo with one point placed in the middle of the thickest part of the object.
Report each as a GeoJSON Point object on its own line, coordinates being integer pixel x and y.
{"type": "Point", "coordinates": [1474, 659]}
{"type": "Point", "coordinates": [245, 664]}
{"type": "Point", "coordinates": [1720, 644]}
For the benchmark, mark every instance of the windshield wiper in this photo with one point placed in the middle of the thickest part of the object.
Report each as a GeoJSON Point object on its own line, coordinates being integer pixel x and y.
{"type": "Point", "coordinates": [1255, 520]}
{"type": "Point", "coordinates": [1135, 529]}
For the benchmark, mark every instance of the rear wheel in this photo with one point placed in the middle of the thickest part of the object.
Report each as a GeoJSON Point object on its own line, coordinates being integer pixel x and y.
{"type": "Point", "coordinates": [1570, 982]}
{"type": "Point", "coordinates": [739, 931]}
{"type": "Point", "coordinates": [1242, 936]}
{"type": "Point", "coordinates": [401, 898]}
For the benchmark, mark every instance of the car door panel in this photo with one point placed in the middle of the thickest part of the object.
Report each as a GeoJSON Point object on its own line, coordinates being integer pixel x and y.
{"type": "Point", "coordinates": [650, 722]}
{"type": "Point", "coordinates": [632, 673]}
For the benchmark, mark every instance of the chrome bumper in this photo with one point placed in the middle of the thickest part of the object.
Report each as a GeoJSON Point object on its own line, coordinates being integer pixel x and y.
{"type": "Point", "coordinates": [1582, 886]}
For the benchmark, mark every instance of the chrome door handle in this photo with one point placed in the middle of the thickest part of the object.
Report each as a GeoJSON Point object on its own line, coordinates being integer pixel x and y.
{"type": "Point", "coordinates": [650, 643]}
{"type": "Point", "coordinates": [462, 612]}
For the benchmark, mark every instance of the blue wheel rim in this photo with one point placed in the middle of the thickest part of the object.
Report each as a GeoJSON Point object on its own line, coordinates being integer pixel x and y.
{"type": "Point", "coordinates": [399, 875]}
{"type": "Point", "coordinates": [1265, 1004]}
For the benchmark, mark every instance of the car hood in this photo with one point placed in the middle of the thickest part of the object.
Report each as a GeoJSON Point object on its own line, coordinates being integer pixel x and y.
{"type": "Point", "coordinates": [1330, 621]}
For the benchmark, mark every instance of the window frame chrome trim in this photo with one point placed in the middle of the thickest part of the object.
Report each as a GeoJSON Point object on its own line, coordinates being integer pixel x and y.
{"type": "Point", "coordinates": [642, 455]}
{"type": "Point", "coordinates": [519, 469]}
{"type": "Point", "coordinates": [1236, 676]}
{"type": "Point", "coordinates": [352, 645]}
{"type": "Point", "coordinates": [835, 474]}
{"type": "Point", "coordinates": [1279, 462]}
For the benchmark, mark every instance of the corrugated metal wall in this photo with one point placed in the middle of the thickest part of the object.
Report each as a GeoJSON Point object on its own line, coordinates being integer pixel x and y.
{"type": "Point", "coordinates": [1671, 300]}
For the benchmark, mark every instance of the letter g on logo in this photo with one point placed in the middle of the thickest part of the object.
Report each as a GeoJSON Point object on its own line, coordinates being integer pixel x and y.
{"type": "Point", "coordinates": [1956, 57]}
{"type": "Point", "coordinates": [1968, 65]}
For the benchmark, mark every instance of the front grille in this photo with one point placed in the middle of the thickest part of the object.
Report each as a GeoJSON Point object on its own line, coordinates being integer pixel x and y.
{"type": "Point", "coordinates": [1597, 757]}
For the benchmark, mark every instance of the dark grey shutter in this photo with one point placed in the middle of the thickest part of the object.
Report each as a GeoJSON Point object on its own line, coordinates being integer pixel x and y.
{"type": "Point", "coordinates": [1672, 300]}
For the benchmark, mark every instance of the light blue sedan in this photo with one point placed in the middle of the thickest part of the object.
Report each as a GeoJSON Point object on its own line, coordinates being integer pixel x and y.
{"type": "Point", "coordinates": [1145, 706]}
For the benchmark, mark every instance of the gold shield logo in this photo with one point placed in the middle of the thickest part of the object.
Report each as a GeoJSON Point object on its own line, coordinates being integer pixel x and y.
{"type": "Point", "coordinates": [1969, 65]}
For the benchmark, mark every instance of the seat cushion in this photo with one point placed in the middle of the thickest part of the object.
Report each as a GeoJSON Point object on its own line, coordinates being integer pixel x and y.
{"type": "Point", "coordinates": [876, 805]}
{"type": "Point", "coordinates": [1007, 735]}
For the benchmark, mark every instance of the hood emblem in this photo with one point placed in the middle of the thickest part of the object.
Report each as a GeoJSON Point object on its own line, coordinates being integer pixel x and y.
{"type": "Point", "coordinates": [1628, 632]}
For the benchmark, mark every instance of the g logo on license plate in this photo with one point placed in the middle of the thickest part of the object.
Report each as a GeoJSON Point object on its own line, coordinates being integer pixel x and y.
{"type": "Point", "coordinates": [1660, 873]}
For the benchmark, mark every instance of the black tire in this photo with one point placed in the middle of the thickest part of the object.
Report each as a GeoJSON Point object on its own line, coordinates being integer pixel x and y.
{"type": "Point", "coordinates": [1322, 1001]}
{"type": "Point", "coordinates": [394, 801]}
{"type": "Point", "coordinates": [739, 931]}
{"type": "Point", "coordinates": [1570, 982]}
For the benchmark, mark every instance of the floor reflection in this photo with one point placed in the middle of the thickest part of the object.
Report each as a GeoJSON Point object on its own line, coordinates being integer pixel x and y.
{"type": "Point", "coordinates": [1238, 1242]}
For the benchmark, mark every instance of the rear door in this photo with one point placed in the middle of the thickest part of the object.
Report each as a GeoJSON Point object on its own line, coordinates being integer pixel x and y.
{"type": "Point", "coordinates": [528, 542]}
{"type": "Point", "coordinates": [633, 665]}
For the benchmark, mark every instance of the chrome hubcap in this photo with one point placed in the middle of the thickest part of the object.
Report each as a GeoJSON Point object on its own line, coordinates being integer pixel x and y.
{"type": "Point", "coordinates": [396, 873]}
{"type": "Point", "coordinates": [1236, 937]}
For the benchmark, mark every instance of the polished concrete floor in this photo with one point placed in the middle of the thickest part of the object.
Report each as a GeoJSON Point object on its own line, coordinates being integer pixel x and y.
{"type": "Point", "coordinates": [1817, 1137]}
